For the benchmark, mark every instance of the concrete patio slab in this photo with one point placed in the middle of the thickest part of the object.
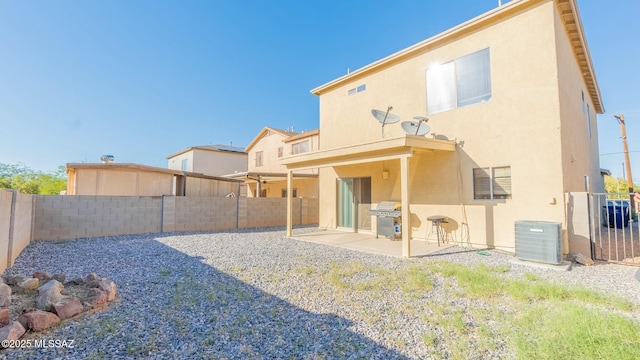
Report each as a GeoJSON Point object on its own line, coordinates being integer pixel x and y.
{"type": "Point", "coordinates": [368, 243]}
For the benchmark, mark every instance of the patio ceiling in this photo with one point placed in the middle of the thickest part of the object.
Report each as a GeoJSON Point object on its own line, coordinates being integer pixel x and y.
{"type": "Point", "coordinates": [378, 150]}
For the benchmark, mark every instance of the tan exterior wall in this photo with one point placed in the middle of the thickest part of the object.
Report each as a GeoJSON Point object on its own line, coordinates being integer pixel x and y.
{"type": "Point", "coordinates": [522, 126]}
{"type": "Point", "coordinates": [306, 187]}
{"type": "Point", "coordinates": [120, 182]}
{"type": "Point", "coordinates": [580, 155]}
{"type": "Point", "coordinates": [269, 146]}
{"type": "Point", "coordinates": [210, 187]}
{"type": "Point", "coordinates": [207, 162]}
{"type": "Point", "coordinates": [16, 225]}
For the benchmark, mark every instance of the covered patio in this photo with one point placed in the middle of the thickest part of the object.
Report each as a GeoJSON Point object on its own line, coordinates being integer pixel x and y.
{"type": "Point", "coordinates": [400, 148]}
{"type": "Point", "coordinates": [368, 243]}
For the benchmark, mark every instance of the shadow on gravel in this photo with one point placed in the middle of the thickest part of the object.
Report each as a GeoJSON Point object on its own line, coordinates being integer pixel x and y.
{"type": "Point", "coordinates": [171, 305]}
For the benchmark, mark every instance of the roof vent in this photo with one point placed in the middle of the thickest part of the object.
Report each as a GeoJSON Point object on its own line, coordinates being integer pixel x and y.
{"type": "Point", "coordinates": [107, 159]}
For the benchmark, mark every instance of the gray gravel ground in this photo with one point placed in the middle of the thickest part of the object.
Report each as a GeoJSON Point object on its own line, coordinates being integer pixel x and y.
{"type": "Point", "coordinates": [255, 294]}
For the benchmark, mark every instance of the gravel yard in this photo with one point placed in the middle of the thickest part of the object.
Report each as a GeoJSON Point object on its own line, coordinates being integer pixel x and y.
{"type": "Point", "coordinates": [256, 294]}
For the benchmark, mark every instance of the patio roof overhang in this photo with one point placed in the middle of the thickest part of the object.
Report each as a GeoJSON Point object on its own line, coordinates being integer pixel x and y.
{"type": "Point", "coordinates": [398, 148]}
{"type": "Point", "coordinates": [377, 150]}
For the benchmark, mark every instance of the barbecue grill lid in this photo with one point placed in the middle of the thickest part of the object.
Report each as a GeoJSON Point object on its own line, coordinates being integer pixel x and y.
{"type": "Point", "coordinates": [389, 205]}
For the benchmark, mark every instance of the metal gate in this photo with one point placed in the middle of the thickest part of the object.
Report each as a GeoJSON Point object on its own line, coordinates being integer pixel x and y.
{"type": "Point", "coordinates": [614, 228]}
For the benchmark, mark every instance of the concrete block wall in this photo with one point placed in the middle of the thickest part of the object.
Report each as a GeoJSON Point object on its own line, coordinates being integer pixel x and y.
{"type": "Point", "coordinates": [16, 225]}
{"type": "Point", "coordinates": [196, 213]}
{"type": "Point", "coordinates": [69, 217]}
{"type": "Point", "coordinates": [6, 198]}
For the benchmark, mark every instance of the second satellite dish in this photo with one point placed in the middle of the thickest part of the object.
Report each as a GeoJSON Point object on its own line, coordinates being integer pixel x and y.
{"type": "Point", "coordinates": [418, 128]}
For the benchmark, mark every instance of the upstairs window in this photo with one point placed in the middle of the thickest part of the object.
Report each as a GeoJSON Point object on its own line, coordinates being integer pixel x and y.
{"type": "Point", "coordinates": [492, 183]}
{"type": "Point", "coordinates": [358, 89]}
{"type": "Point", "coordinates": [301, 147]}
{"type": "Point", "coordinates": [185, 165]}
{"type": "Point", "coordinates": [464, 81]}
{"type": "Point", "coordinates": [280, 151]}
{"type": "Point", "coordinates": [259, 158]}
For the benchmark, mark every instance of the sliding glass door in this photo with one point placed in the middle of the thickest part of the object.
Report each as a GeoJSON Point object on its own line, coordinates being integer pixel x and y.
{"type": "Point", "coordinates": [354, 203]}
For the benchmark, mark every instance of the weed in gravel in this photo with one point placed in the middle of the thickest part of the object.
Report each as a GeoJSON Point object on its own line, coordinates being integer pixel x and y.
{"type": "Point", "coordinates": [165, 273]}
{"type": "Point", "coordinates": [568, 330]}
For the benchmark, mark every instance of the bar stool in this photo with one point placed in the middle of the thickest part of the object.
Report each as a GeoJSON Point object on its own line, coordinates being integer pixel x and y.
{"type": "Point", "coordinates": [436, 227]}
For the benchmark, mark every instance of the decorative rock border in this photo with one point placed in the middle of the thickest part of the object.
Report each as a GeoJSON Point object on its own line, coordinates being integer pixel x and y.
{"type": "Point", "coordinates": [55, 300]}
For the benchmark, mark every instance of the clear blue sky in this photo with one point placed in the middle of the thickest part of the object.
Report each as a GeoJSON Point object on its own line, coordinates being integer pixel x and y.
{"type": "Point", "coordinates": [144, 79]}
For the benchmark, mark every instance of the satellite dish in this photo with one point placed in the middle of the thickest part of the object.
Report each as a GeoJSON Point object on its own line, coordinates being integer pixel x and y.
{"type": "Point", "coordinates": [418, 128]}
{"type": "Point", "coordinates": [385, 117]}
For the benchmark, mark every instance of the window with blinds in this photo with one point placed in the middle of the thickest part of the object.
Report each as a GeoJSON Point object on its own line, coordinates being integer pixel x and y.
{"type": "Point", "coordinates": [492, 183]}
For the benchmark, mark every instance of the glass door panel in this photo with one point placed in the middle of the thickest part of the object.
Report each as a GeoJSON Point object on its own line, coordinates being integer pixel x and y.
{"type": "Point", "coordinates": [345, 203]}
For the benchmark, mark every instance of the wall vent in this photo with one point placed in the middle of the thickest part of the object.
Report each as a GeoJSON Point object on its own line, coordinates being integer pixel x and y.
{"type": "Point", "coordinates": [539, 241]}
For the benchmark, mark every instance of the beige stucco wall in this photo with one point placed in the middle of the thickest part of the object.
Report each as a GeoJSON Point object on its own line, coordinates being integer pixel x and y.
{"type": "Point", "coordinates": [210, 187]}
{"type": "Point", "coordinates": [121, 182]}
{"type": "Point", "coordinates": [269, 145]}
{"type": "Point", "coordinates": [209, 162]}
{"type": "Point", "coordinates": [306, 187]}
{"type": "Point", "coordinates": [580, 155]}
{"type": "Point", "coordinates": [520, 127]}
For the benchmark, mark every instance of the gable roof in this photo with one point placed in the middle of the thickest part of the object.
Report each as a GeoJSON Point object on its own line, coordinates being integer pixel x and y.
{"type": "Point", "coordinates": [265, 130]}
{"type": "Point", "coordinates": [220, 148]}
{"type": "Point", "coordinates": [567, 9]}
{"type": "Point", "coordinates": [302, 135]}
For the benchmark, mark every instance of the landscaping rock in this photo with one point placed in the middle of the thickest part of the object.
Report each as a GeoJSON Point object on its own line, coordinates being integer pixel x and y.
{"type": "Point", "coordinates": [92, 278]}
{"type": "Point", "coordinates": [29, 283]}
{"type": "Point", "coordinates": [5, 295]}
{"type": "Point", "coordinates": [581, 259]}
{"type": "Point", "coordinates": [13, 279]}
{"type": "Point", "coordinates": [4, 317]}
{"type": "Point", "coordinates": [67, 308]}
{"type": "Point", "coordinates": [109, 287]}
{"type": "Point", "coordinates": [13, 331]}
{"type": "Point", "coordinates": [55, 284]}
{"type": "Point", "coordinates": [61, 278]}
{"type": "Point", "coordinates": [77, 281]}
{"type": "Point", "coordinates": [38, 320]}
{"type": "Point", "coordinates": [49, 294]}
{"type": "Point", "coordinates": [41, 275]}
{"type": "Point", "coordinates": [96, 299]}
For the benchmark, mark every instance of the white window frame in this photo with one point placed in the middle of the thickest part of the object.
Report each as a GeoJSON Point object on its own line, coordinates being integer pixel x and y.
{"type": "Point", "coordinates": [493, 183]}
{"type": "Point", "coordinates": [298, 148]}
{"type": "Point", "coordinates": [259, 158]}
{"type": "Point", "coordinates": [450, 84]}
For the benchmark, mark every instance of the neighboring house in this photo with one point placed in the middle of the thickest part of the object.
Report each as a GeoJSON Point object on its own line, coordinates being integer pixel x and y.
{"type": "Point", "coordinates": [266, 177]}
{"type": "Point", "coordinates": [214, 160]}
{"type": "Point", "coordinates": [122, 179]}
{"type": "Point", "coordinates": [511, 98]}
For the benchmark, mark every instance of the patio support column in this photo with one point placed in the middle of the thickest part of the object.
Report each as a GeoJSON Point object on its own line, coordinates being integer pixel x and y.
{"type": "Point", "coordinates": [406, 213]}
{"type": "Point", "coordinates": [289, 203]}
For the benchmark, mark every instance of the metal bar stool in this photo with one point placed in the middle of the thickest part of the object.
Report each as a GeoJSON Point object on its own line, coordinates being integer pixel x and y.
{"type": "Point", "coordinates": [436, 227]}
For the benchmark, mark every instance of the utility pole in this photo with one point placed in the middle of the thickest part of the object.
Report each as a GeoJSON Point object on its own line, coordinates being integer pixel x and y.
{"type": "Point", "coordinates": [623, 128]}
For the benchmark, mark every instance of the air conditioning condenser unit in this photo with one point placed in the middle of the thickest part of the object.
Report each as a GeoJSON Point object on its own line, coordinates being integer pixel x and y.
{"type": "Point", "coordinates": [539, 241]}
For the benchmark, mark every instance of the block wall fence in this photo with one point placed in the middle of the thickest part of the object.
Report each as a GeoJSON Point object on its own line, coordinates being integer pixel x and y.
{"type": "Point", "coordinates": [16, 225]}
{"type": "Point", "coordinates": [57, 217]}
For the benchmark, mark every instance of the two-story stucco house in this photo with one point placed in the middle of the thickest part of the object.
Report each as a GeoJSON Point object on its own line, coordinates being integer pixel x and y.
{"type": "Point", "coordinates": [511, 99]}
{"type": "Point", "coordinates": [266, 176]}
{"type": "Point", "coordinates": [213, 160]}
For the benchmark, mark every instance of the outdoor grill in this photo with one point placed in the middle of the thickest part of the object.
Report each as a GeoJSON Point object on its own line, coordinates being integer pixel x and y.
{"type": "Point", "coordinates": [388, 218]}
